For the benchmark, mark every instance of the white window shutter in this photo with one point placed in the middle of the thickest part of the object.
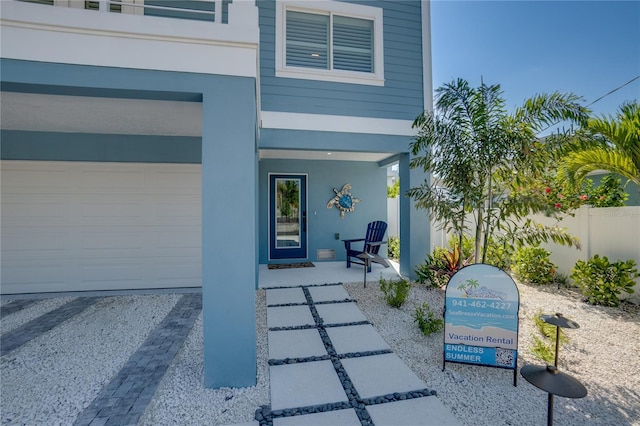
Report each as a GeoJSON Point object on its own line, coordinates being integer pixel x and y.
{"type": "Point", "coordinates": [307, 40]}
{"type": "Point", "coordinates": [353, 44]}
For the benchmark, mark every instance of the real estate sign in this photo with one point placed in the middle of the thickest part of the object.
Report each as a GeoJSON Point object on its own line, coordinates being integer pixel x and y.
{"type": "Point", "coordinates": [481, 318]}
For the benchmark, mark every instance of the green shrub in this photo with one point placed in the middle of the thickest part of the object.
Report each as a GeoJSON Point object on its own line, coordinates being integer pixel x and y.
{"type": "Point", "coordinates": [498, 256]}
{"type": "Point", "coordinates": [602, 282]}
{"type": "Point", "coordinates": [393, 249]}
{"type": "Point", "coordinates": [533, 265]}
{"type": "Point", "coordinates": [609, 193]}
{"type": "Point", "coordinates": [427, 320]}
{"type": "Point", "coordinates": [395, 292]}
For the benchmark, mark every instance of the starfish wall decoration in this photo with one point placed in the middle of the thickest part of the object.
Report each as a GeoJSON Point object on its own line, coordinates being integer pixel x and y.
{"type": "Point", "coordinates": [344, 201]}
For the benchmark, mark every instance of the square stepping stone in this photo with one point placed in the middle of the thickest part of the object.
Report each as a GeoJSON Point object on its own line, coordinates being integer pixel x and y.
{"type": "Point", "coordinates": [356, 338]}
{"type": "Point", "coordinates": [419, 411]}
{"type": "Point", "coordinates": [295, 344]}
{"type": "Point", "coordinates": [328, 418]}
{"type": "Point", "coordinates": [328, 293]}
{"type": "Point", "coordinates": [304, 384]}
{"type": "Point", "coordinates": [339, 313]}
{"type": "Point", "coordinates": [282, 296]}
{"type": "Point", "coordinates": [381, 375]}
{"type": "Point", "coordinates": [289, 316]}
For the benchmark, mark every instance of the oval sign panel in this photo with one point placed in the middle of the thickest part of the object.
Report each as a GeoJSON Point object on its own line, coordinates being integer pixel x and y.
{"type": "Point", "coordinates": [481, 317]}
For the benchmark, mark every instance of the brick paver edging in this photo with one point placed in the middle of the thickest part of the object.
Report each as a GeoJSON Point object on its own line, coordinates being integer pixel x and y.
{"type": "Point", "coordinates": [44, 323]}
{"type": "Point", "coordinates": [15, 306]}
{"type": "Point", "coordinates": [126, 397]}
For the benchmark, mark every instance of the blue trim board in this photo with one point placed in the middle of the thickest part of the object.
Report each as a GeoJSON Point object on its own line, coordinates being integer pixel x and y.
{"type": "Point", "coordinates": [98, 92]}
{"type": "Point", "coordinates": [56, 146]}
{"type": "Point", "coordinates": [332, 141]}
{"type": "Point", "coordinates": [85, 80]}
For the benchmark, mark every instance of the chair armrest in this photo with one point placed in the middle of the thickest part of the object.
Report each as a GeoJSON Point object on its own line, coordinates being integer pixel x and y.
{"type": "Point", "coordinates": [347, 243]}
{"type": "Point", "coordinates": [378, 243]}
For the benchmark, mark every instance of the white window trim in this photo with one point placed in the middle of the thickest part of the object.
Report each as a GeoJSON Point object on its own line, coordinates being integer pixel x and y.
{"type": "Point", "coordinates": [340, 76]}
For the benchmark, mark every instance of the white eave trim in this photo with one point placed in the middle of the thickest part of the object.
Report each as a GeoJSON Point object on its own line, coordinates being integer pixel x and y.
{"type": "Point", "coordinates": [336, 123]}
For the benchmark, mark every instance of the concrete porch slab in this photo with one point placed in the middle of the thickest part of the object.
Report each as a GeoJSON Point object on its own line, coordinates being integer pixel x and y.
{"type": "Point", "coordinates": [295, 344]}
{"type": "Point", "coordinates": [425, 411]}
{"type": "Point", "coordinates": [328, 293]}
{"type": "Point", "coordinates": [339, 313]}
{"type": "Point", "coordinates": [356, 338]}
{"type": "Point", "coordinates": [329, 418]}
{"type": "Point", "coordinates": [289, 316]}
{"type": "Point", "coordinates": [281, 296]}
{"type": "Point", "coordinates": [304, 384]}
{"type": "Point", "coordinates": [381, 375]}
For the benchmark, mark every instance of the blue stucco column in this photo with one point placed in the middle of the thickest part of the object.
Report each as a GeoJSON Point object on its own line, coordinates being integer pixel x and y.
{"type": "Point", "coordinates": [415, 228]}
{"type": "Point", "coordinates": [229, 232]}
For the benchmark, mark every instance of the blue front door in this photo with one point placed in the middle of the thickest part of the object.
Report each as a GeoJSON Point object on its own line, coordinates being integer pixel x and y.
{"type": "Point", "coordinates": [287, 216]}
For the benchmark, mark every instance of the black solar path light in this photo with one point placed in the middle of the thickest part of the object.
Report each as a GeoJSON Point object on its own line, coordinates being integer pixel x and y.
{"type": "Point", "coordinates": [549, 378]}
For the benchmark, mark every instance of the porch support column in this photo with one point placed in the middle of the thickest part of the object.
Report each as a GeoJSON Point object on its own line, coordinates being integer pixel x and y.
{"type": "Point", "coordinates": [229, 230]}
{"type": "Point", "coordinates": [415, 230]}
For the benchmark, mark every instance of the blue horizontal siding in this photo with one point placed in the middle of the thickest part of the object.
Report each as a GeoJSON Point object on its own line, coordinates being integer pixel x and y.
{"type": "Point", "coordinates": [401, 97]}
{"type": "Point", "coordinates": [57, 146]}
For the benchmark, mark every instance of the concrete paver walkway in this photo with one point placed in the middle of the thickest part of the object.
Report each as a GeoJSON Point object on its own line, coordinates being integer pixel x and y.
{"type": "Point", "coordinates": [329, 366]}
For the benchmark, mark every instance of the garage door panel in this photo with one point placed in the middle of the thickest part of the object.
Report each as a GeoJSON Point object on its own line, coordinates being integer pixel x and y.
{"type": "Point", "coordinates": [109, 226]}
{"type": "Point", "coordinates": [32, 242]}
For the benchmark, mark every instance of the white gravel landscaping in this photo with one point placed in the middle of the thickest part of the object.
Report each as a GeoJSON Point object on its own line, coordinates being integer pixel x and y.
{"type": "Point", "coordinates": [52, 378]}
{"type": "Point", "coordinates": [603, 354]}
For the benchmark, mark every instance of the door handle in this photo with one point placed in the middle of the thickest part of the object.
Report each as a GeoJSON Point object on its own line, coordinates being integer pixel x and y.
{"type": "Point", "coordinates": [304, 221]}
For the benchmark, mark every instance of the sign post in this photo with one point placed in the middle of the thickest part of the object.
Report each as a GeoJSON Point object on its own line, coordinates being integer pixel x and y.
{"type": "Point", "coordinates": [481, 318]}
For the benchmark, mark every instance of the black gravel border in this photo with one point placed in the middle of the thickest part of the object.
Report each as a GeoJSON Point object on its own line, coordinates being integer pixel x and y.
{"type": "Point", "coordinates": [264, 415]}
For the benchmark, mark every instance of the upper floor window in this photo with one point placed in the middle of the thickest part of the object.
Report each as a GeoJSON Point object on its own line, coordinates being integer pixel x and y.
{"type": "Point", "coordinates": [342, 42]}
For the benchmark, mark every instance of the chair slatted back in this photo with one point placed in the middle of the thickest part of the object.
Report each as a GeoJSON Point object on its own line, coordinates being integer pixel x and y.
{"type": "Point", "coordinates": [375, 233]}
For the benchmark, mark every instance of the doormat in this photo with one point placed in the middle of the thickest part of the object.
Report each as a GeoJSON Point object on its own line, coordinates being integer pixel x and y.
{"type": "Point", "coordinates": [291, 265]}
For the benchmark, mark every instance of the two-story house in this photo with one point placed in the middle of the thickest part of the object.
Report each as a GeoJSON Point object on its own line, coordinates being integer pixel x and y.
{"type": "Point", "coordinates": [167, 143]}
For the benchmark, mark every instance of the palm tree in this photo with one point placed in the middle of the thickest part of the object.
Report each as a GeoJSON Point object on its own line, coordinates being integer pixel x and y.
{"type": "Point", "coordinates": [475, 150]}
{"type": "Point", "coordinates": [606, 143]}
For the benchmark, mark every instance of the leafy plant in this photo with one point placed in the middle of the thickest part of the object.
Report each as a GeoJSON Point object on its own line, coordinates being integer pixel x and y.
{"type": "Point", "coordinates": [533, 265]}
{"type": "Point", "coordinates": [395, 292]}
{"type": "Point", "coordinates": [427, 320]}
{"type": "Point", "coordinates": [440, 266]}
{"type": "Point", "coordinates": [393, 248]}
{"type": "Point", "coordinates": [603, 282]}
{"type": "Point", "coordinates": [545, 348]}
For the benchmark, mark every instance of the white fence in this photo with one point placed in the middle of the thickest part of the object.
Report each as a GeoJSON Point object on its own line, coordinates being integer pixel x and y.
{"type": "Point", "coordinates": [613, 232]}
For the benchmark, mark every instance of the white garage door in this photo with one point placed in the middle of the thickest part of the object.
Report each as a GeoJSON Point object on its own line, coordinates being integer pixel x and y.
{"type": "Point", "coordinates": [69, 226]}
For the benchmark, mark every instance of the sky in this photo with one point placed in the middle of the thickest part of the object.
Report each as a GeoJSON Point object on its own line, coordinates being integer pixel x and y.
{"type": "Point", "coordinates": [529, 47]}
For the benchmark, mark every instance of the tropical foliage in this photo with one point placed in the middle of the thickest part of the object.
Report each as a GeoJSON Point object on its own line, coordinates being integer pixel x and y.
{"type": "Point", "coordinates": [606, 143]}
{"type": "Point", "coordinates": [480, 156]}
